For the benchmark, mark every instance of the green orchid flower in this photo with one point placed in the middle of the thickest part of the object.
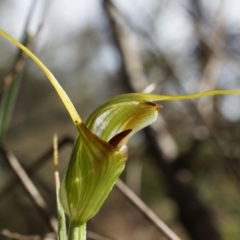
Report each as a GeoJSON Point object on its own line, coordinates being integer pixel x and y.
{"type": "Point", "coordinates": [93, 169]}
{"type": "Point", "coordinates": [99, 155]}
{"type": "Point", "coordinates": [99, 152]}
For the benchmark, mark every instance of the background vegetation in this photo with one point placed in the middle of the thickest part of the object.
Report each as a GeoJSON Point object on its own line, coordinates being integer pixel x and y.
{"type": "Point", "coordinates": [185, 166]}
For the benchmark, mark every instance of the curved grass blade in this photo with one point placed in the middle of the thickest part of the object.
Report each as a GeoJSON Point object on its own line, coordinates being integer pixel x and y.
{"type": "Point", "coordinates": [7, 104]}
{"type": "Point", "coordinates": [12, 81]}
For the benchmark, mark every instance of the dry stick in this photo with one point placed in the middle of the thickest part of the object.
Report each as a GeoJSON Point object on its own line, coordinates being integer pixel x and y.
{"type": "Point", "coordinates": [31, 169]}
{"type": "Point", "coordinates": [95, 236]}
{"type": "Point", "coordinates": [62, 231]}
{"type": "Point", "coordinates": [29, 187]}
{"type": "Point", "coordinates": [55, 162]}
{"type": "Point", "coordinates": [148, 213]}
{"type": "Point", "coordinates": [16, 236]}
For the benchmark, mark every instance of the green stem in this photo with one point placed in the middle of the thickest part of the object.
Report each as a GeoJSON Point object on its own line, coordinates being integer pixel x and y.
{"type": "Point", "coordinates": [76, 231]}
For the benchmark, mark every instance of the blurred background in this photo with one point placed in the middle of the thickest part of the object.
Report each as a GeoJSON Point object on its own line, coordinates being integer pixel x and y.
{"type": "Point", "coordinates": [185, 167]}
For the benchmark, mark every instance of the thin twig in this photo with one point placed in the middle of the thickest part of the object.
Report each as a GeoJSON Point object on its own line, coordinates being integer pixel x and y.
{"type": "Point", "coordinates": [148, 213]}
{"type": "Point", "coordinates": [36, 165]}
{"type": "Point", "coordinates": [55, 162]}
{"type": "Point", "coordinates": [29, 187]}
{"type": "Point", "coordinates": [95, 236]}
{"type": "Point", "coordinates": [62, 230]}
{"type": "Point", "coordinates": [16, 236]}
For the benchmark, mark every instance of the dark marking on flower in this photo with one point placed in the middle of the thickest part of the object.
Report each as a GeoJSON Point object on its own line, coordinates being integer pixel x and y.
{"type": "Point", "coordinates": [114, 141]}
{"type": "Point", "coordinates": [151, 104]}
{"type": "Point", "coordinates": [158, 106]}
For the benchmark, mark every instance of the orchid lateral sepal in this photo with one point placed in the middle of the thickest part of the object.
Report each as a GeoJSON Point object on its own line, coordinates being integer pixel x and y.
{"type": "Point", "coordinates": [62, 94]}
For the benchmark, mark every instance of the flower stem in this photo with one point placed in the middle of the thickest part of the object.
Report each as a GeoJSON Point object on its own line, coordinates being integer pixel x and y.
{"type": "Point", "coordinates": [76, 231]}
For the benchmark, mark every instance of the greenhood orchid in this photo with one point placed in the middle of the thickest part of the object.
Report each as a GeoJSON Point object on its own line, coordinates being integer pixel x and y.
{"type": "Point", "coordinates": [99, 155]}
{"type": "Point", "coordinates": [99, 152]}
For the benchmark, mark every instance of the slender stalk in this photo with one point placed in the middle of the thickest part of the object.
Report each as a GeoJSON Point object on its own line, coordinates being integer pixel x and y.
{"type": "Point", "coordinates": [62, 231]}
{"type": "Point", "coordinates": [76, 231]}
{"type": "Point", "coordinates": [64, 97]}
{"type": "Point", "coordinates": [8, 100]}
